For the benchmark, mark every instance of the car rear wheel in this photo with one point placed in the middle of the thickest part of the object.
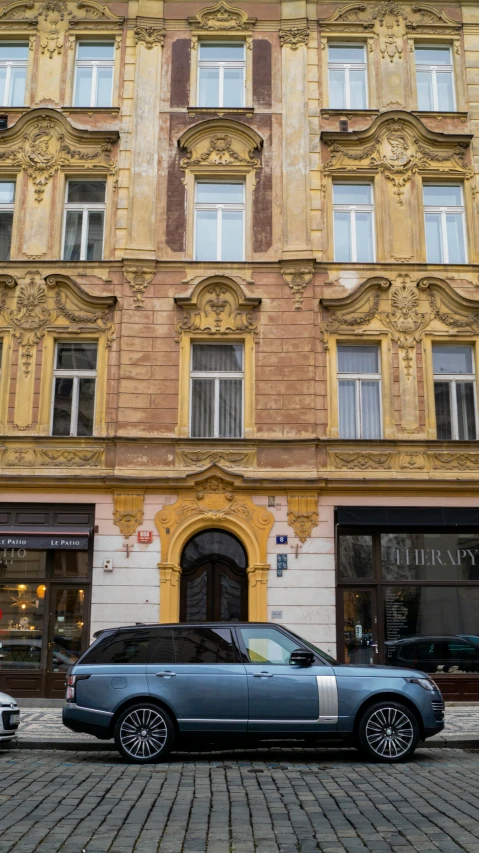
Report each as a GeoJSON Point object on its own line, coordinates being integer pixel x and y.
{"type": "Point", "coordinates": [144, 733]}
{"type": "Point", "coordinates": [388, 731]}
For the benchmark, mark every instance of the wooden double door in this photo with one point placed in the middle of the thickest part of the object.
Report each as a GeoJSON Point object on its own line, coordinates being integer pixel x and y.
{"type": "Point", "coordinates": [214, 589]}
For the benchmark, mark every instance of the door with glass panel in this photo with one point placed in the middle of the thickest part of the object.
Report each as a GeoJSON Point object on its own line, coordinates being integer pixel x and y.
{"type": "Point", "coordinates": [214, 583]}
{"type": "Point", "coordinates": [360, 622]}
{"type": "Point", "coordinates": [67, 637]}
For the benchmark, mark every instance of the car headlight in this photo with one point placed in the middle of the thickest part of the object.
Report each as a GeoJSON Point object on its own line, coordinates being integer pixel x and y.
{"type": "Point", "coordinates": [423, 682]}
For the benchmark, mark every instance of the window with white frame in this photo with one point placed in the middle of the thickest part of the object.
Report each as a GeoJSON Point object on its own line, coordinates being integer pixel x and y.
{"type": "Point", "coordinates": [347, 75]}
{"type": "Point", "coordinates": [444, 224]}
{"type": "Point", "coordinates": [353, 213]}
{"type": "Point", "coordinates": [221, 74]}
{"type": "Point", "coordinates": [359, 392]}
{"type": "Point", "coordinates": [13, 73]}
{"type": "Point", "coordinates": [7, 200]}
{"type": "Point", "coordinates": [84, 221]}
{"type": "Point", "coordinates": [434, 77]}
{"type": "Point", "coordinates": [219, 221]}
{"type": "Point", "coordinates": [216, 402]}
{"type": "Point", "coordinates": [455, 392]}
{"type": "Point", "coordinates": [94, 74]}
{"type": "Point", "coordinates": [73, 408]}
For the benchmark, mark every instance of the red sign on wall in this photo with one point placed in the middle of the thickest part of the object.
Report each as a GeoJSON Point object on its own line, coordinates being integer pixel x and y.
{"type": "Point", "coordinates": [145, 536]}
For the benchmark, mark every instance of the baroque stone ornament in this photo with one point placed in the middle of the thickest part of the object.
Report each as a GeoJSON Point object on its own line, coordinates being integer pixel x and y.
{"type": "Point", "coordinates": [456, 461]}
{"type": "Point", "coordinates": [362, 460]}
{"type": "Point", "coordinates": [398, 146]}
{"type": "Point", "coordinates": [297, 277]}
{"type": "Point", "coordinates": [150, 37]}
{"type": "Point", "coordinates": [69, 458]}
{"type": "Point", "coordinates": [220, 143]}
{"type": "Point", "coordinates": [303, 515]}
{"type": "Point", "coordinates": [206, 458]}
{"type": "Point", "coordinates": [221, 18]}
{"type": "Point", "coordinates": [217, 306]}
{"type": "Point", "coordinates": [128, 511]}
{"type": "Point", "coordinates": [41, 145]}
{"type": "Point", "coordinates": [139, 278]}
{"type": "Point", "coordinates": [294, 37]}
{"type": "Point", "coordinates": [412, 461]}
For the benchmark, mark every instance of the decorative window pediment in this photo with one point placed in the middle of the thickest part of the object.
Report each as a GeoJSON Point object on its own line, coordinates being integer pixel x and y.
{"type": "Point", "coordinates": [217, 306]}
{"type": "Point", "coordinates": [220, 145]}
{"type": "Point", "coordinates": [43, 142]}
{"type": "Point", "coordinates": [398, 145]}
{"type": "Point", "coordinates": [54, 19]}
{"type": "Point", "coordinates": [221, 19]}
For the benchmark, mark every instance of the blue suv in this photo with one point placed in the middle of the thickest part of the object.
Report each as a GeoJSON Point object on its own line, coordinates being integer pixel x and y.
{"type": "Point", "coordinates": [150, 686]}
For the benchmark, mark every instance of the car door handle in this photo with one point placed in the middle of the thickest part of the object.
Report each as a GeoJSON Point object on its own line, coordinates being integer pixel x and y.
{"type": "Point", "coordinates": [262, 674]}
{"type": "Point", "coordinates": [166, 674]}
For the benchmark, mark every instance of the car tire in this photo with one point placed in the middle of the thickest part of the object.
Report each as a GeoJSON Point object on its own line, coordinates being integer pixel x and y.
{"type": "Point", "coordinates": [144, 733]}
{"type": "Point", "coordinates": [388, 732]}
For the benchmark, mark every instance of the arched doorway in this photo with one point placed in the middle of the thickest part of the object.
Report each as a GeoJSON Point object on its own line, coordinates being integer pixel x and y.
{"type": "Point", "coordinates": [214, 582]}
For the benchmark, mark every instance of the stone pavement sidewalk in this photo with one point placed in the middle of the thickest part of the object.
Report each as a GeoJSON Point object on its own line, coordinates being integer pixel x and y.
{"type": "Point", "coordinates": [42, 728]}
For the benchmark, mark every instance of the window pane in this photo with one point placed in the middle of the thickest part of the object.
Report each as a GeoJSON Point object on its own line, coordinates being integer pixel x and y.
{"type": "Point", "coordinates": [62, 406]}
{"type": "Point", "coordinates": [125, 647]}
{"type": "Point", "coordinates": [443, 410]}
{"type": "Point", "coordinates": [22, 627]}
{"type": "Point", "coordinates": [23, 565]}
{"type": "Point", "coordinates": [19, 78]}
{"type": "Point", "coordinates": [358, 359]}
{"type": "Point", "coordinates": [195, 592]}
{"type": "Point", "coordinates": [95, 50]}
{"type": "Point", "coordinates": [342, 236]}
{"type": "Point", "coordinates": [442, 195]}
{"type": "Point", "coordinates": [17, 51]}
{"type": "Point", "coordinates": [84, 192]}
{"type": "Point", "coordinates": [337, 92]}
{"type": "Point", "coordinates": [452, 360]}
{"type": "Point", "coordinates": [445, 90]}
{"type": "Point", "coordinates": [6, 222]}
{"type": "Point", "coordinates": [358, 627]}
{"type": "Point", "coordinates": [364, 237]}
{"type": "Point", "coordinates": [70, 564]}
{"type": "Point", "coordinates": [233, 87]}
{"type": "Point", "coordinates": [347, 409]}
{"type": "Point", "coordinates": [7, 192]}
{"type": "Point", "coordinates": [104, 87]}
{"type": "Point", "coordinates": [76, 356]}
{"type": "Point", "coordinates": [433, 238]}
{"type": "Point", "coordinates": [206, 235]}
{"type": "Point", "coordinates": [94, 249]}
{"type": "Point", "coordinates": [231, 408]}
{"type": "Point", "coordinates": [424, 90]}
{"type": "Point", "coordinates": [352, 194]}
{"type": "Point", "coordinates": [83, 83]}
{"type": "Point", "coordinates": [3, 80]}
{"type": "Point", "coordinates": [217, 357]}
{"type": "Point", "coordinates": [430, 556]}
{"type": "Point", "coordinates": [232, 236]}
{"type": "Point", "coordinates": [357, 85]}
{"type": "Point", "coordinates": [221, 52]}
{"type": "Point", "coordinates": [203, 645]}
{"type": "Point", "coordinates": [346, 53]}
{"type": "Point", "coordinates": [455, 238]}
{"type": "Point", "coordinates": [466, 411]}
{"type": "Point", "coordinates": [86, 406]}
{"type": "Point", "coordinates": [370, 410]}
{"type": "Point", "coordinates": [433, 55]}
{"type": "Point", "coordinates": [356, 557]}
{"type": "Point", "coordinates": [265, 645]}
{"type": "Point", "coordinates": [73, 226]}
{"type": "Point", "coordinates": [202, 408]}
{"type": "Point", "coordinates": [219, 193]}
{"type": "Point", "coordinates": [209, 87]}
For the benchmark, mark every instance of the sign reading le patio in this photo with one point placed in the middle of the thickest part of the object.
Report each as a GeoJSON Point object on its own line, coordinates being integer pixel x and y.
{"type": "Point", "coordinates": [78, 542]}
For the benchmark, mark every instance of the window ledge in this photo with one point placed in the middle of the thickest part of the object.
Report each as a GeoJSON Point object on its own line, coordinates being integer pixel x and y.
{"type": "Point", "coordinates": [348, 113]}
{"type": "Point", "coordinates": [220, 111]}
{"type": "Point", "coordinates": [462, 116]}
{"type": "Point", "coordinates": [114, 111]}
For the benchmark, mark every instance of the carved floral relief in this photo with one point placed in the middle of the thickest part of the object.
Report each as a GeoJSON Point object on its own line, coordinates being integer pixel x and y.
{"type": "Point", "coordinates": [217, 306]}
{"type": "Point", "coordinates": [221, 18]}
{"type": "Point", "coordinates": [128, 511]}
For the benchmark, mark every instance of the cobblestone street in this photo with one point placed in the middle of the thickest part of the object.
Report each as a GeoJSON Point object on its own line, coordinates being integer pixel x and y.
{"type": "Point", "coordinates": [239, 802]}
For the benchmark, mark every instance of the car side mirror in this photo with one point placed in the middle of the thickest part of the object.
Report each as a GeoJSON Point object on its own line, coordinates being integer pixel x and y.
{"type": "Point", "coordinates": [300, 657]}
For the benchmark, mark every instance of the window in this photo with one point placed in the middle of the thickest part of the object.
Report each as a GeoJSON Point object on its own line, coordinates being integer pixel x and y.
{"type": "Point", "coordinates": [94, 74]}
{"type": "Point", "coordinates": [219, 222]}
{"type": "Point", "coordinates": [221, 74]}
{"type": "Point", "coordinates": [204, 645]}
{"type": "Point", "coordinates": [347, 76]}
{"type": "Point", "coordinates": [353, 222]}
{"type": "Point", "coordinates": [359, 392]}
{"type": "Point", "coordinates": [434, 76]}
{"type": "Point", "coordinates": [216, 391]}
{"type": "Point", "coordinates": [267, 645]}
{"type": "Point", "coordinates": [454, 392]}
{"type": "Point", "coordinates": [131, 647]}
{"type": "Point", "coordinates": [7, 198]}
{"type": "Point", "coordinates": [13, 73]}
{"type": "Point", "coordinates": [74, 389]}
{"type": "Point", "coordinates": [444, 223]}
{"type": "Point", "coordinates": [84, 221]}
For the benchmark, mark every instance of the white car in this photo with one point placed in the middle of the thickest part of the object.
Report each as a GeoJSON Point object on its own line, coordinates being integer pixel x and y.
{"type": "Point", "coordinates": [9, 719]}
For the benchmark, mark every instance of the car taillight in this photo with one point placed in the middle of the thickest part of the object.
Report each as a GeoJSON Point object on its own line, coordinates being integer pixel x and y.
{"type": "Point", "coordinates": [70, 694]}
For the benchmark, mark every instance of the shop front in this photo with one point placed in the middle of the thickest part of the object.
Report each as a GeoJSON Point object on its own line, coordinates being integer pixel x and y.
{"type": "Point", "coordinates": [45, 578]}
{"type": "Point", "coordinates": [408, 592]}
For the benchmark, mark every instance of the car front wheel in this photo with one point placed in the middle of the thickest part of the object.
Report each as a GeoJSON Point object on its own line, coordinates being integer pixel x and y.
{"type": "Point", "coordinates": [144, 733]}
{"type": "Point", "coordinates": [388, 731]}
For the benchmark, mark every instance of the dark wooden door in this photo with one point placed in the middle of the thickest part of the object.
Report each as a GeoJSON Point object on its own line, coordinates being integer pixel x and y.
{"type": "Point", "coordinates": [67, 634]}
{"type": "Point", "coordinates": [214, 589]}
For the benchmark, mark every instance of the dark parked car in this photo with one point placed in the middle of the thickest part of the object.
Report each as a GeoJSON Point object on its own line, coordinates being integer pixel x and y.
{"type": "Point", "coordinates": [149, 686]}
{"type": "Point", "coordinates": [435, 654]}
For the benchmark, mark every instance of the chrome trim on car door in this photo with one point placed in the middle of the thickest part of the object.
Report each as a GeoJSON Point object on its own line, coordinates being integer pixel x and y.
{"type": "Point", "coordinates": [328, 698]}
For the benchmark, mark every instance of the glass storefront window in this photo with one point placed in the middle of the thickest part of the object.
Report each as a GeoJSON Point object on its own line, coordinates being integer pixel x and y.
{"type": "Point", "coordinates": [21, 625]}
{"type": "Point", "coordinates": [356, 557]}
{"type": "Point", "coordinates": [70, 564]}
{"type": "Point", "coordinates": [358, 627]}
{"type": "Point", "coordinates": [22, 564]}
{"type": "Point", "coordinates": [430, 557]}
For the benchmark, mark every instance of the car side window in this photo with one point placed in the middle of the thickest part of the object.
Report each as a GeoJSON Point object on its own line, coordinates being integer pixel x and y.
{"type": "Point", "coordinates": [267, 645]}
{"type": "Point", "coordinates": [127, 647]}
{"type": "Point", "coordinates": [162, 648]}
{"type": "Point", "coordinates": [204, 645]}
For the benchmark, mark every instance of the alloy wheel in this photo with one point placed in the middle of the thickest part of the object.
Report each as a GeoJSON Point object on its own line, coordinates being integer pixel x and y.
{"type": "Point", "coordinates": [143, 733]}
{"type": "Point", "coordinates": [389, 732]}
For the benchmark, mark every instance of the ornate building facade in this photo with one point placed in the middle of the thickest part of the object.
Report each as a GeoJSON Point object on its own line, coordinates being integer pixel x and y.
{"type": "Point", "coordinates": [239, 318]}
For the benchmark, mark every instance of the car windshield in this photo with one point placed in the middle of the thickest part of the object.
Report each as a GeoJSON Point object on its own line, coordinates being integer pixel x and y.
{"type": "Point", "coordinates": [318, 651]}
